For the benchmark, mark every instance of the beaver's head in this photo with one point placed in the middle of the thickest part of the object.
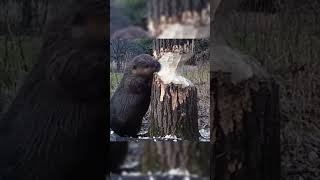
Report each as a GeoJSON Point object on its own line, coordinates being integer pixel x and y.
{"type": "Point", "coordinates": [144, 65]}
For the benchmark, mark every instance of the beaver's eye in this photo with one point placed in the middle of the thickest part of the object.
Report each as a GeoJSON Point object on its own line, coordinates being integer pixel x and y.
{"type": "Point", "coordinates": [134, 67]}
{"type": "Point", "coordinates": [147, 66]}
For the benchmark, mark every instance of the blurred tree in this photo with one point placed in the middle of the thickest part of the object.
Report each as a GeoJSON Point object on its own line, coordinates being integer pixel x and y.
{"type": "Point", "coordinates": [146, 45]}
{"type": "Point", "coordinates": [135, 10]}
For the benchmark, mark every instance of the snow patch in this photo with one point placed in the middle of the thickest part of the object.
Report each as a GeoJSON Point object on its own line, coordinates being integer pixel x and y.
{"type": "Point", "coordinates": [131, 173]}
{"type": "Point", "coordinates": [130, 165]}
{"type": "Point", "coordinates": [205, 133]}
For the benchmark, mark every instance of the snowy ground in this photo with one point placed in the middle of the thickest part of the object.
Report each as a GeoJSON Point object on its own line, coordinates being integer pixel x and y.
{"type": "Point", "coordinates": [205, 137]}
{"type": "Point", "coordinates": [143, 135]}
{"type": "Point", "coordinates": [166, 176]}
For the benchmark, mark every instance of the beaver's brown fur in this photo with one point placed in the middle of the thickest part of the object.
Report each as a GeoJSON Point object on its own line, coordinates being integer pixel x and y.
{"type": "Point", "coordinates": [131, 99]}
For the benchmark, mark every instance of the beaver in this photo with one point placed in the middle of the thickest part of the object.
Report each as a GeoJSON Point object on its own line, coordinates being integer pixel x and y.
{"type": "Point", "coordinates": [131, 99]}
{"type": "Point", "coordinates": [55, 128]}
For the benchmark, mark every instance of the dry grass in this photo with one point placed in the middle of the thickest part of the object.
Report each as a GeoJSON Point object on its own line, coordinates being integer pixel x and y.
{"type": "Point", "coordinates": [200, 76]}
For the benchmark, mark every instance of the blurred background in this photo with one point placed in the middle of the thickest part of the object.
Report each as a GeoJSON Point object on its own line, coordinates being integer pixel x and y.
{"type": "Point", "coordinates": [21, 28]}
{"type": "Point", "coordinates": [284, 36]}
{"type": "Point", "coordinates": [165, 19]}
{"type": "Point", "coordinates": [124, 13]}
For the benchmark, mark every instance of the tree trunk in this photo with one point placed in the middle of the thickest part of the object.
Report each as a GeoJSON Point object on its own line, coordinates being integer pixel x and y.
{"type": "Point", "coordinates": [174, 110]}
{"type": "Point", "coordinates": [163, 156]}
{"type": "Point", "coordinates": [244, 118]}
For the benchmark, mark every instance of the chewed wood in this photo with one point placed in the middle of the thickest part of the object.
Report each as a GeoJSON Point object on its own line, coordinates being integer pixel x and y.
{"type": "Point", "coordinates": [173, 110]}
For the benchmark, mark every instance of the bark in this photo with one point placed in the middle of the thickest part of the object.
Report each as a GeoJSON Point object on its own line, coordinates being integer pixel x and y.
{"type": "Point", "coordinates": [174, 110]}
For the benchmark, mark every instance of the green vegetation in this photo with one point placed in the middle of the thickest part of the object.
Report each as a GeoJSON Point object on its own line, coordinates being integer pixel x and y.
{"type": "Point", "coordinates": [115, 79]}
{"type": "Point", "coordinates": [17, 56]}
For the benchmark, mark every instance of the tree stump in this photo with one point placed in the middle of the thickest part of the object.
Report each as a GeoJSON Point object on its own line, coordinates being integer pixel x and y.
{"type": "Point", "coordinates": [174, 109]}
{"type": "Point", "coordinates": [186, 155]}
{"type": "Point", "coordinates": [244, 118]}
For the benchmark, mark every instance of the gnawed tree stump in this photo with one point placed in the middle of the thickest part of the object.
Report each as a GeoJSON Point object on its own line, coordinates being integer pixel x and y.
{"type": "Point", "coordinates": [174, 109]}
{"type": "Point", "coordinates": [244, 118]}
{"type": "Point", "coordinates": [186, 155]}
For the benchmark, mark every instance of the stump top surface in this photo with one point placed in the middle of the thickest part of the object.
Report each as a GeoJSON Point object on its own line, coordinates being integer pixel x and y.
{"type": "Point", "coordinates": [241, 66]}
